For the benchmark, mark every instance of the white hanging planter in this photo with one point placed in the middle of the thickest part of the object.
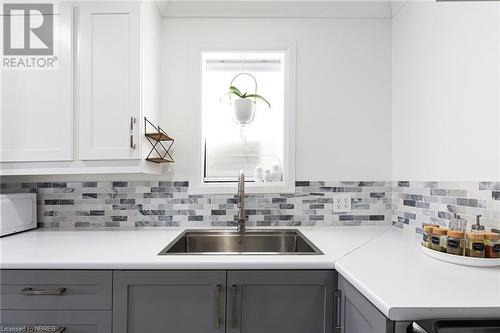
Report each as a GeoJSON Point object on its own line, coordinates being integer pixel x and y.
{"type": "Point", "coordinates": [244, 111]}
{"type": "Point", "coordinates": [244, 108]}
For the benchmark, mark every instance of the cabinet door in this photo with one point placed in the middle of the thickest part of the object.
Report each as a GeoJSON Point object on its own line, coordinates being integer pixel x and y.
{"type": "Point", "coordinates": [36, 105]}
{"type": "Point", "coordinates": [169, 301]}
{"type": "Point", "coordinates": [280, 301]}
{"type": "Point", "coordinates": [358, 314]}
{"type": "Point", "coordinates": [109, 80]}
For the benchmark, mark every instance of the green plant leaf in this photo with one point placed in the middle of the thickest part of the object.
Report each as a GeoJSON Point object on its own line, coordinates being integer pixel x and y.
{"type": "Point", "coordinates": [235, 90]}
{"type": "Point", "coordinates": [232, 92]}
{"type": "Point", "coordinates": [259, 97]}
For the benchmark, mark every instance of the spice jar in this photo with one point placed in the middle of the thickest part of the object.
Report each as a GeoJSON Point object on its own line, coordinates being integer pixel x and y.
{"type": "Point", "coordinates": [492, 245]}
{"type": "Point", "coordinates": [475, 244]}
{"type": "Point", "coordinates": [439, 239]}
{"type": "Point", "coordinates": [455, 243]}
{"type": "Point", "coordinates": [427, 236]}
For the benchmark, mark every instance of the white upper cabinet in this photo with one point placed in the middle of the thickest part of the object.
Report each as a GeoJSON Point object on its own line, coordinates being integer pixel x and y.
{"type": "Point", "coordinates": [109, 99]}
{"type": "Point", "coordinates": [36, 112]}
{"type": "Point", "coordinates": [88, 115]}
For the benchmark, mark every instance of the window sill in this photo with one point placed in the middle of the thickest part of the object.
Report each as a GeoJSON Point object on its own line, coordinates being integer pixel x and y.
{"type": "Point", "coordinates": [250, 188]}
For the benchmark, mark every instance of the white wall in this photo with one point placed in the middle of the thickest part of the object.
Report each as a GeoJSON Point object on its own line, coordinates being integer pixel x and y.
{"type": "Point", "coordinates": [446, 91]}
{"type": "Point", "coordinates": [343, 90]}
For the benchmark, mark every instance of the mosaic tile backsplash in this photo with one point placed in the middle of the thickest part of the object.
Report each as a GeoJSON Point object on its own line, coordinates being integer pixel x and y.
{"type": "Point", "coordinates": [415, 203]}
{"type": "Point", "coordinates": [129, 204]}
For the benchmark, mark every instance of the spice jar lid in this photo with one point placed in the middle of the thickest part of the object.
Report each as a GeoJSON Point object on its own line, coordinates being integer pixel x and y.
{"type": "Point", "coordinates": [475, 235]}
{"type": "Point", "coordinates": [440, 231]}
{"type": "Point", "coordinates": [491, 236]}
{"type": "Point", "coordinates": [428, 228]}
{"type": "Point", "coordinates": [456, 233]}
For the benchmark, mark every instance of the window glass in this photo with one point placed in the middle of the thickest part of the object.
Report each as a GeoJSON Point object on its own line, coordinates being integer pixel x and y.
{"type": "Point", "coordinates": [231, 141]}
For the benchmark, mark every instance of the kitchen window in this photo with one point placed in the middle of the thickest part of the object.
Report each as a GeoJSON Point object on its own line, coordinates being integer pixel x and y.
{"type": "Point", "coordinates": [248, 113]}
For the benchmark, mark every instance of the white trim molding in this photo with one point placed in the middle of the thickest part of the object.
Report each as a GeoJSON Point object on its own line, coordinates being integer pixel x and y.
{"type": "Point", "coordinates": [397, 5]}
{"type": "Point", "coordinates": [498, 105]}
{"type": "Point", "coordinates": [161, 5]}
{"type": "Point", "coordinates": [197, 185]}
{"type": "Point", "coordinates": [277, 9]}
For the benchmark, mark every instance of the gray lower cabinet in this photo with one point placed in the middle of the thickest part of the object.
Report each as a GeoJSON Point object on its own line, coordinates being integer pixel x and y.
{"type": "Point", "coordinates": [358, 315]}
{"type": "Point", "coordinates": [55, 289]}
{"type": "Point", "coordinates": [203, 302]}
{"type": "Point", "coordinates": [70, 301]}
{"type": "Point", "coordinates": [169, 301]}
{"type": "Point", "coordinates": [215, 301]}
{"type": "Point", "coordinates": [280, 301]}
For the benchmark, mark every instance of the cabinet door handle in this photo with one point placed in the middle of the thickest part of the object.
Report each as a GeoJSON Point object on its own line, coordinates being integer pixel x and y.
{"type": "Point", "coordinates": [218, 289]}
{"type": "Point", "coordinates": [233, 314]}
{"type": "Point", "coordinates": [337, 310]}
{"type": "Point", "coordinates": [34, 291]}
{"type": "Point", "coordinates": [132, 122]}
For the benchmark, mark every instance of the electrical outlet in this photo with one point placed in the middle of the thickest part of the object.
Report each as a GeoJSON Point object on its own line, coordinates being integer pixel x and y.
{"type": "Point", "coordinates": [341, 203]}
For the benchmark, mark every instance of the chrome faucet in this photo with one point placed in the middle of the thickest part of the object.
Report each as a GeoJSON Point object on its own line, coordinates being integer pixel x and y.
{"type": "Point", "coordinates": [241, 202]}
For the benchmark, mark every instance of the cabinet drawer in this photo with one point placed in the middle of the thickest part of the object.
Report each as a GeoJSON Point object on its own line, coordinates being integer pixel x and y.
{"type": "Point", "coordinates": [48, 289]}
{"type": "Point", "coordinates": [55, 321]}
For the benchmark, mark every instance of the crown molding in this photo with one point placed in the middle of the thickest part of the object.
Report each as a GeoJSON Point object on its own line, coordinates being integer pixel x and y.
{"type": "Point", "coordinates": [161, 5]}
{"type": "Point", "coordinates": [277, 9]}
{"type": "Point", "coordinates": [397, 5]}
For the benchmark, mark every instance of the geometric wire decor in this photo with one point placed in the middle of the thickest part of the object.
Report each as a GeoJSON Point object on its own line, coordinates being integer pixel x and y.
{"type": "Point", "coordinates": [156, 138]}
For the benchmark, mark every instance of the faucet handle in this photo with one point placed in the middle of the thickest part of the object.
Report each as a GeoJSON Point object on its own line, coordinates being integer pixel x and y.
{"type": "Point", "coordinates": [478, 226]}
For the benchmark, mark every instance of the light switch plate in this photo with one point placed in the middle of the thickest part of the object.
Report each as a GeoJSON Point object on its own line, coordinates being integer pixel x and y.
{"type": "Point", "coordinates": [341, 203]}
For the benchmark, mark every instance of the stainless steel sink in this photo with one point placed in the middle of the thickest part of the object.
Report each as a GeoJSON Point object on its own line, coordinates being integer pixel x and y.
{"type": "Point", "coordinates": [265, 241]}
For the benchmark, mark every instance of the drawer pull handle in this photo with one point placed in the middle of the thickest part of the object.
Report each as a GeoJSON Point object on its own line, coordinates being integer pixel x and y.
{"type": "Point", "coordinates": [34, 291]}
{"type": "Point", "coordinates": [234, 290]}
{"type": "Point", "coordinates": [132, 122]}
{"type": "Point", "coordinates": [337, 310]}
{"type": "Point", "coordinates": [218, 289]}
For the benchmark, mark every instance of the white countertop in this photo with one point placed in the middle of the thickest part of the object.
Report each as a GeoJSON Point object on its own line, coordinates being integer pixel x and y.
{"type": "Point", "coordinates": [138, 249]}
{"type": "Point", "coordinates": [395, 275]}
{"type": "Point", "coordinates": [385, 264]}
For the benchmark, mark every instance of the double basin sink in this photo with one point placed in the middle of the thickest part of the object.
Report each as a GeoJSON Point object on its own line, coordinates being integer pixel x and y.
{"type": "Point", "coordinates": [224, 242]}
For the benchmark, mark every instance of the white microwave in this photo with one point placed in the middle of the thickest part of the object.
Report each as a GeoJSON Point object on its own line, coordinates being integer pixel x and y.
{"type": "Point", "coordinates": [17, 212]}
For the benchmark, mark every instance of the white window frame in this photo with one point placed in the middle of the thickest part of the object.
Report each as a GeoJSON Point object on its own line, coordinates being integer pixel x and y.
{"type": "Point", "coordinates": [197, 184]}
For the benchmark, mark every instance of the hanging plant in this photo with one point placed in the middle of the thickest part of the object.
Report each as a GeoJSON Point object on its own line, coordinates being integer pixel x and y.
{"type": "Point", "coordinates": [233, 90]}
{"type": "Point", "coordinates": [244, 104]}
